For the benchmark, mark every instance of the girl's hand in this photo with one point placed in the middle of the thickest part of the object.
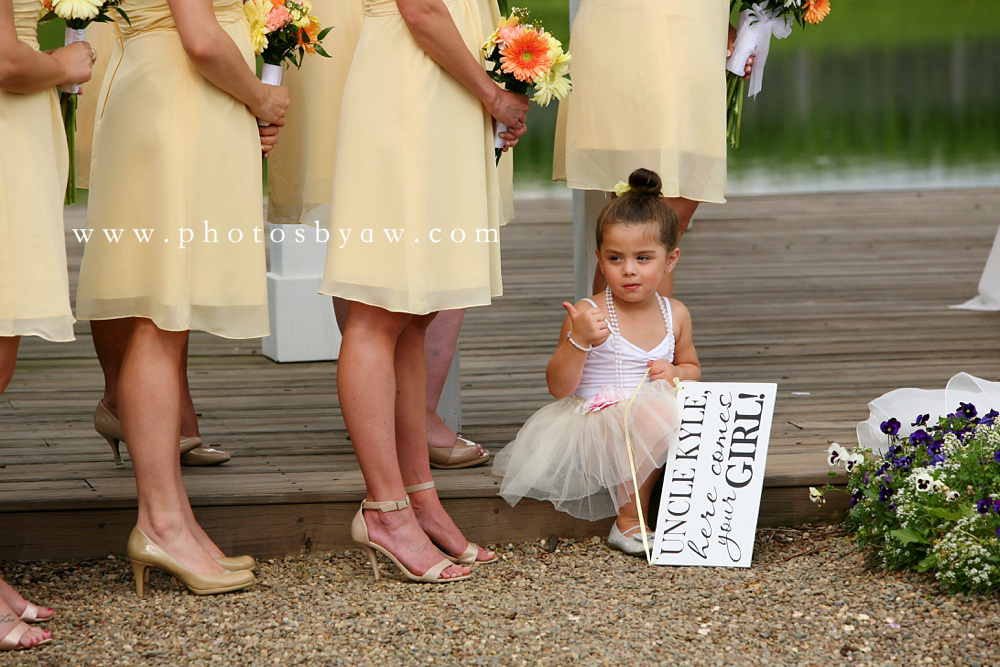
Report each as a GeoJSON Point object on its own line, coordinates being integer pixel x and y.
{"type": "Point", "coordinates": [76, 61]}
{"type": "Point", "coordinates": [748, 68]}
{"type": "Point", "coordinates": [509, 108]}
{"type": "Point", "coordinates": [589, 326]}
{"type": "Point", "coordinates": [268, 138]}
{"type": "Point", "coordinates": [661, 369]}
{"type": "Point", "coordinates": [271, 106]}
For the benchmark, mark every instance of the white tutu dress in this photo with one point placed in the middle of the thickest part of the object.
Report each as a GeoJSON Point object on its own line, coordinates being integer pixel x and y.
{"type": "Point", "coordinates": [572, 452]}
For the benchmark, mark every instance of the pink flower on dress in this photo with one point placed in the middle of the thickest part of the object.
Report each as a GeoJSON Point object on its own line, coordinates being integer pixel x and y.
{"type": "Point", "coordinates": [604, 399]}
{"type": "Point", "coordinates": [277, 18]}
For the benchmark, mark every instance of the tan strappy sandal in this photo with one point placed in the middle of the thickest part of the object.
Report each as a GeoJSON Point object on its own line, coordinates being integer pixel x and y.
{"type": "Point", "coordinates": [12, 640]}
{"type": "Point", "coordinates": [468, 556]}
{"type": "Point", "coordinates": [359, 533]}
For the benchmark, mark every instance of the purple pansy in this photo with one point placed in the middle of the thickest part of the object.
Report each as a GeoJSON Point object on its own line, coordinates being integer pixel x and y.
{"type": "Point", "coordinates": [989, 417]}
{"type": "Point", "coordinates": [967, 410]}
{"type": "Point", "coordinates": [984, 505]}
{"type": "Point", "coordinates": [996, 456]}
{"type": "Point", "coordinates": [890, 426]}
{"type": "Point", "coordinates": [920, 420]}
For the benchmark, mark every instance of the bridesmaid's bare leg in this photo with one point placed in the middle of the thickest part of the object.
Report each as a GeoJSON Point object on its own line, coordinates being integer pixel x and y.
{"type": "Point", "coordinates": [367, 386]}
{"type": "Point", "coordinates": [149, 404]}
{"type": "Point", "coordinates": [8, 358]}
{"type": "Point", "coordinates": [110, 339]}
{"type": "Point", "coordinates": [411, 439]}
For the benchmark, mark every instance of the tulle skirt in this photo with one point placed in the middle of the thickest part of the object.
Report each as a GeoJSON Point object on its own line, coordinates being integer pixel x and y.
{"type": "Point", "coordinates": [577, 459]}
{"type": "Point", "coordinates": [907, 403]}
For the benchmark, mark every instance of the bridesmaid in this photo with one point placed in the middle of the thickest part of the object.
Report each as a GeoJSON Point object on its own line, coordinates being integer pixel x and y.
{"type": "Point", "coordinates": [414, 156]}
{"type": "Point", "coordinates": [177, 157]}
{"type": "Point", "coordinates": [659, 103]}
{"type": "Point", "coordinates": [33, 276]}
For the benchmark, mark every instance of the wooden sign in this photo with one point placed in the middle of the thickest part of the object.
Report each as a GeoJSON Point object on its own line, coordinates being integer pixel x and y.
{"type": "Point", "coordinates": [714, 476]}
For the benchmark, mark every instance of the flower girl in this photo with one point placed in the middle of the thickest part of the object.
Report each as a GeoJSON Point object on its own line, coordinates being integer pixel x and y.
{"type": "Point", "coordinates": [574, 452]}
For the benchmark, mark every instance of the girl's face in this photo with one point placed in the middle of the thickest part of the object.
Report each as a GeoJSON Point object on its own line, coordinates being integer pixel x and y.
{"type": "Point", "coordinates": [633, 260]}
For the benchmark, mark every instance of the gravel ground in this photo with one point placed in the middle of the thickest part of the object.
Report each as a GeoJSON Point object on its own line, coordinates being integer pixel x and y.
{"type": "Point", "coordinates": [807, 600]}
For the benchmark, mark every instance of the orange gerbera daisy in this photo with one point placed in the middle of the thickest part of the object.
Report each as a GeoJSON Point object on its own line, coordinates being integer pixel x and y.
{"type": "Point", "coordinates": [526, 56]}
{"type": "Point", "coordinates": [816, 10]}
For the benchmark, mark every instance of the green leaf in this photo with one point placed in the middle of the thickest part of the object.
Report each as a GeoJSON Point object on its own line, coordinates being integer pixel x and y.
{"type": "Point", "coordinates": [945, 513]}
{"type": "Point", "coordinates": [908, 536]}
{"type": "Point", "coordinates": [928, 563]}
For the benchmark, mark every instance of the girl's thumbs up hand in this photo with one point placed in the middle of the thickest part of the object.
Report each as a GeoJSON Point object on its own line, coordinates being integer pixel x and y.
{"type": "Point", "coordinates": [589, 325]}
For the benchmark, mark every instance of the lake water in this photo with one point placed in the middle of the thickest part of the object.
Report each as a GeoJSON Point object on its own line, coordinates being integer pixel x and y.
{"type": "Point", "coordinates": [925, 117]}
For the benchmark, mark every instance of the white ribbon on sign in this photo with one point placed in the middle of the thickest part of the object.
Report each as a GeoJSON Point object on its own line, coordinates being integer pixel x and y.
{"type": "Point", "coordinates": [753, 38]}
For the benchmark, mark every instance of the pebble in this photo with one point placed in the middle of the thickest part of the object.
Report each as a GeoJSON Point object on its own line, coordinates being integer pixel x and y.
{"type": "Point", "coordinates": [807, 600]}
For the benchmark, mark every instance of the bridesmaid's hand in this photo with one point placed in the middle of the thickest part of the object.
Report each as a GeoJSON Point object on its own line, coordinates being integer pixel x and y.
{"type": "Point", "coordinates": [509, 108]}
{"type": "Point", "coordinates": [511, 136]}
{"type": "Point", "coordinates": [268, 138]}
{"type": "Point", "coordinates": [748, 67]}
{"type": "Point", "coordinates": [77, 61]}
{"type": "Point", "coordinates": [270, 106]}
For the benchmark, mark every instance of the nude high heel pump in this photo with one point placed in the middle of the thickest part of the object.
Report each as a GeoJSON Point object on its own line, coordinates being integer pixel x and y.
{"type": "Point", "coordinates": [359, 533]}
{"type": "Point", "coordinates": [143, 553]}
{"type": "Point", "coordinates": [110, 428]}
{"type": "Point", "coordinates": [468, 557]}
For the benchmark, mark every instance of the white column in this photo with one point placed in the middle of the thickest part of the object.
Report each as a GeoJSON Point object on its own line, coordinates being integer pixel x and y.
{"type": "Point", "coordinates": [303, 327]}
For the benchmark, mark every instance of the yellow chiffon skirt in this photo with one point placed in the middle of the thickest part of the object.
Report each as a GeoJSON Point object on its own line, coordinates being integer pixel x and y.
{"type": "Point", "coordinates": [416, 205]}
{"type": "Point", "coordinates": [34, 286]}
{"type": "Point", "coordinates": [649, 90]}
{"type": "Point", "coordinates": [176, 203]}
{"type": "Point", "coordinates": [300, 168]}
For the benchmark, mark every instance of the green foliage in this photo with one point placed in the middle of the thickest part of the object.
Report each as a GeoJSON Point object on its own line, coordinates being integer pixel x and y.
{"type": "Point", "coordinates": [931, 501]}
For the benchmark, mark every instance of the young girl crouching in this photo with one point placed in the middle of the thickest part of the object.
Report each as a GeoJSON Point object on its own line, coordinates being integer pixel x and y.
{"type": "Point", "coordinates": [573, 452]}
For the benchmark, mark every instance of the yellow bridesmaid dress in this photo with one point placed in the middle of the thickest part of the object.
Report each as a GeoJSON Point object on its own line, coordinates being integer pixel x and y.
{"type": "Point", "coordinates": [649, 90]}
{"type": "Point", "coordinates": [104, 40]}
{"type": "Point", "coordinates": [416, 209]}
{"type": "Point", "coordinates": [300, 168]}
{"type": "Point", "coordinates": [176, 202]}
{"type": "Point", "coordinates": [34, 286]}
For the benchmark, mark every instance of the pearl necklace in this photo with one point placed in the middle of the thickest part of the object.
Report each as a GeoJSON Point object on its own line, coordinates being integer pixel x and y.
{"type": "Point", "coordinates": [616, 336]}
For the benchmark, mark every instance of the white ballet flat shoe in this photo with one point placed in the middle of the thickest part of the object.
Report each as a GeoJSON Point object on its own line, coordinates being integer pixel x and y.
{"type": "Point", "coordinates": [631, 544]}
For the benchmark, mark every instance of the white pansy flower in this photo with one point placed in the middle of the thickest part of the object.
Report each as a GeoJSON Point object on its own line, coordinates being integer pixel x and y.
{"type": "Point", "coordinates": [854, 459]}
{"type": "Point", "coordinates": [836, 454]}
{"type": "Point", "coordinates": [816, 495]}
{"type": "Point", "coordinates": [923, 481]}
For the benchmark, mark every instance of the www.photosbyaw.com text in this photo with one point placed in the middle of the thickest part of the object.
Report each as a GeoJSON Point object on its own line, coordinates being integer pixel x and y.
{"type": "Point", "coordinates": [188, 236]}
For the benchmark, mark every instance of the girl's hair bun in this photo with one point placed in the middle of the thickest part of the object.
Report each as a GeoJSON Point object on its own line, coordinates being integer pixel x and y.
{"type": "Point", "coordinates": [645, 182]}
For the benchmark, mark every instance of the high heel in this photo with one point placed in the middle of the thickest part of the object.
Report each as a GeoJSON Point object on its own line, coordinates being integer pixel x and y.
{"type": "Point", "coordinates": [143, 554]}
{"type": "Point", "coordinates": [468, 556]}
{"type": "Point", "coordinates": [110, 428]}
{"type": "Point", "coordinates": [236, 563]}
{"type": "Point", "coordinates": [359, 533]}
{"type": "Point", "coordinates": [12, 640]}
{"type": "Point", "coordinates": [30, 614]}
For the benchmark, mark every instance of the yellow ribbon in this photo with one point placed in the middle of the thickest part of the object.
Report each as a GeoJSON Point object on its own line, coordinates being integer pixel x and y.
{"type": "Point", "coordinates": [631, 464]}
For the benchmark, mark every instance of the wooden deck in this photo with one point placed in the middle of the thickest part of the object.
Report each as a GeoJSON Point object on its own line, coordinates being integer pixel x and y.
{"type": "Point", "coordinates": [837, 298]}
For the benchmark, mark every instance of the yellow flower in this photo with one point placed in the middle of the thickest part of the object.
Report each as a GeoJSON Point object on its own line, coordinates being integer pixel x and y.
{"type": "Point", "coordinates": [255, 12]}
{"type": "Point", "coordinates": [554, 84]}
{"type": "Point", "coordinates": [621, 187]}
{"type": "Point", "coordinates": [77, 9]}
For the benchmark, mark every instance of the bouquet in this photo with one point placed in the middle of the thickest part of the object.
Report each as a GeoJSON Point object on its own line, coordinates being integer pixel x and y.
{"type": "Point", "coordinates": [521, 56]}
{"type": "Point", "coordinates": [757, 22]}
{"type": "Point", "coordinates": [283, 30]}
{"type": "Point", "coordinates": [931, 502]}
{"type": "Point", "coordinates": [77, 14]}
